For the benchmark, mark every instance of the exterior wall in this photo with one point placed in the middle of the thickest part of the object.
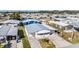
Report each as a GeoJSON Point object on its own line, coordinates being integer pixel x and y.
{"type": "Point", "coordinates": [59, 27]}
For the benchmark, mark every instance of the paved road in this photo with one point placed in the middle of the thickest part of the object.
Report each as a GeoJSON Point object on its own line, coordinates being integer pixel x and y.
{"type": "Point", "coordinates": [59, 41]}
{"type": "Point", "coordinates": [34, 42]}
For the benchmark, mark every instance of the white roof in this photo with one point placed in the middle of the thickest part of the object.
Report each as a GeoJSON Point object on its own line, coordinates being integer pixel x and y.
{"type": "Point", "coordinates": [4, 29]}
{"type": "Point", "coordinates": [12, 21]}
{"type": "Point", "coordinates": [13, 31]}
{"type": "Point", "coordinates": [8, 30]}
{"type": "Point", "coordinates": [72, 18]}
{"type": "Point", "coordinates": [60, 19]}
{"type": "Point", "coordinates": [1, 26]}
{"type": "Point", "coordinates": [71, 30]}
{"type": "Point", "coordinates": [1, 37]}
{"type": "Point", "coordinates": [43, 31]}
{"type": "Point", "coordinates": [60, 23]}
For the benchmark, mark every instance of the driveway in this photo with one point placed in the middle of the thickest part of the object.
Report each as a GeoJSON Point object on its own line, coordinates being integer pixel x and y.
{"type": "Point", "coordinates": [58, 41]}
{"type": "Point", "coordinates": [34, 42]}
{"type": "Point", "coordinates": [14, 44]}
{"type": "Point", "coordinates": [19, 44]}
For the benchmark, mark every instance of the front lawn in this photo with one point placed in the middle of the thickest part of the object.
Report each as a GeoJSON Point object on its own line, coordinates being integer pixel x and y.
{"type": "Point", "coordinates": [46, 43]}
{"type": "Point", "coordinates": [1, 46]}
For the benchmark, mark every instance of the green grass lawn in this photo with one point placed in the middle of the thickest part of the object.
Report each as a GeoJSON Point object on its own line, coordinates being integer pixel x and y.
{"type": "Point", "coordinates": [24, 37]}
{"type": "Point", "coordinates": [1, 46]}
{"type": "Point", "coordinates": [25, 43]}
{"type": "Point", "coordinates": [46, 43]}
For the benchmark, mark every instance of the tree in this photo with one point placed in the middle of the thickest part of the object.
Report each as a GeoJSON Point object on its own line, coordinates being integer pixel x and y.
{"type": "Point", "coordinates": [15, 15]}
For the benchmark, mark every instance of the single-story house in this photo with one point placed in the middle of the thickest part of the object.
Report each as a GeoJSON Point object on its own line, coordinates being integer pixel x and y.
{"type": "Point", "coordinates": [61, 25]}
{"type": "Point", "coordinates": [35, 26]}
{"type": "Point", "coordinates": [12, 21]}
{"type": "Point", "coordinates": [9, 32]}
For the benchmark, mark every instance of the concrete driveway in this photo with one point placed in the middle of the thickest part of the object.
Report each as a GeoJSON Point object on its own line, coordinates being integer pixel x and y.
{"type": "Point", "coordinates": [34, 42]}
{"type": "Point", "coordinates": [58, 41]}
{"type": "Point", "coordinates": [14, 44]}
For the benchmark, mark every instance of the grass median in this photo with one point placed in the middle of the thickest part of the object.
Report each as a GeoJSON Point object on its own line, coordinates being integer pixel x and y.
{"type": "Point", "coordinates": [23, 36]}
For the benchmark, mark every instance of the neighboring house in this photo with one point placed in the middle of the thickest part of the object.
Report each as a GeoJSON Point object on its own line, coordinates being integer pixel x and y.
{"type": "Point", "coordinates": [9, 32]}
{"type": "Point", "coordinates": [72, 22]}
{"type": "Point", "coordinates": [9, 29]}
{"type": "Point", "coordinates": [10, 22]}
{"type": "Point", "coordinates": [61, 25]}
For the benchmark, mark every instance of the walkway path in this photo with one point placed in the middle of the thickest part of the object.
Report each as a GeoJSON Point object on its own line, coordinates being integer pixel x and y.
{"type": "Point", "coordinates": [34, 42]}
{"type": "Point", "coordinates": [14, 44]}
{"type": "Point", "coordinates": [59, 41]}
{"type": "Point", "coordinates": [19, 44]}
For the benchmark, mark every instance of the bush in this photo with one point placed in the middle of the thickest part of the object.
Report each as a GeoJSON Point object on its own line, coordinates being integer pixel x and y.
{"type": "Point", "coordinates": [21, 24]}
{"type": "Point", "coordinates": [15, 15]}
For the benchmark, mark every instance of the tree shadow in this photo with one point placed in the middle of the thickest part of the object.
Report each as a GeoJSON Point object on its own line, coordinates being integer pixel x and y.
{"type": "Point", "coordinates": [8, 45]}
{"type": "Point", "coordinates": [21, 34]}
